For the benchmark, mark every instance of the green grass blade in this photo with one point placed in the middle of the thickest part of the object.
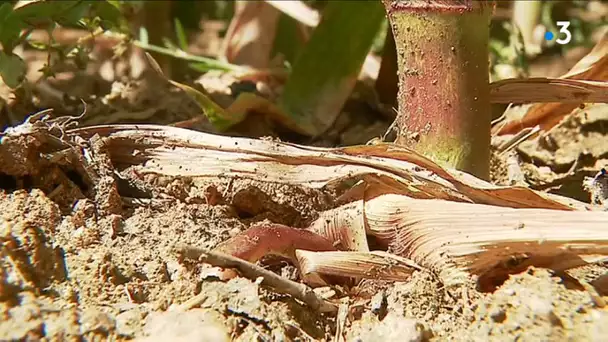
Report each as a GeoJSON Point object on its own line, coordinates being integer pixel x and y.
{"type": "Point", "coordinates": [325, 73]}
{"type": "Point", "coordinates": [180, 33]}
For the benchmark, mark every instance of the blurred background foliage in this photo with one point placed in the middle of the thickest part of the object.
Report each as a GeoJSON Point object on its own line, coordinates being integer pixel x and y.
{"type": "Point", "coordinates": [506, 44]}
{"type": "Point", "coordinates": [217, 36]}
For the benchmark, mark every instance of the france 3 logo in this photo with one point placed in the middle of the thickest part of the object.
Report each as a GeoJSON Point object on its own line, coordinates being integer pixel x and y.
{"type": "Point", "coordinates": [564, 34]}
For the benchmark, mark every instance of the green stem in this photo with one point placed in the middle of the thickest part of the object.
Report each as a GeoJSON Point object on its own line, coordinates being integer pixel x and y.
{"type": "Point", "coordinates": [444, 100]}
{"type": "Point", "coordinates": [325, 73]}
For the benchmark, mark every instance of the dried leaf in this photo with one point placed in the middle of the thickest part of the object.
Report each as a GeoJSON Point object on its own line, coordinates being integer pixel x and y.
{"type": "Point", "coordinates": [181, 152]}
{"type": "Point", "coordinates": [344, 225]}
{"type": "Point", "coordinates": [457, 239]}
{"type": "Point", "coordinates": [368, 265]}
{"type": "Point", "coordinates": [593, 67]}
{"type": "Point", "coordinates": [266, 239]}
{"type": "Point", "coordinates": [251, 34]}
{"type": "Point", "coordinates": [447, 235]}
{"type": "Point", "coordinates": [541, 89]}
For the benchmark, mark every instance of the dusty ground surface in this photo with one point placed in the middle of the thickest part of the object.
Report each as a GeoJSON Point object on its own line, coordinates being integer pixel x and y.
{"type": "Point", "coordinates": [115, 277]}
{"type": "Point", "coordinates": [558, 160]}
{"type": "Point", "coordinates": [70, 268]}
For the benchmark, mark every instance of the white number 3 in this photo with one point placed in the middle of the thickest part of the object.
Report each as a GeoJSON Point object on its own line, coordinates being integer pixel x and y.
{"type": "Point", "coordinates": [563, 28]}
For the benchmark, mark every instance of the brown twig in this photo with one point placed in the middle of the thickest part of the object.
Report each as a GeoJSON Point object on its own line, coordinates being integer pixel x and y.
{"type": "Point", "coordinates": [251, 271]}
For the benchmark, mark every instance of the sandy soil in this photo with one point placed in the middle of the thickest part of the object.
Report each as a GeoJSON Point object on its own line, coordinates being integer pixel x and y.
{"type": "Point", "coordinates": [69, 272]}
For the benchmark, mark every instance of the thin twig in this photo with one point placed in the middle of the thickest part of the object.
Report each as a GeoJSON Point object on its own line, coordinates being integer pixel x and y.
{"type": "Point", "coordinates": [251, 271]}
{"type": "Point", "coordinates": [343, 310]}
{"type": "Point", "coordinates": [518, 138]}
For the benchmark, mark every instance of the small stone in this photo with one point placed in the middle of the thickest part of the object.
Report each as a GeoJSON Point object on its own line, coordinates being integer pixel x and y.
{"type": "Point", "coordinates": [378, 302]}
{"type": "Point", "coordinates": [599, 327]}
{"type": "Point", "coordinates": [540, 306]}
{"type": "Point", "coordinates": [116, 225]}
{"type": "Point", "coordinates": [395, 328]}
{"type": "Point", "coordinates": [325, 292]}
{"type": "Point", "coordinates": [498, 315]}
{"type": "Point", "coordinates": [93, 320]}
{"type": "Point", "coordinates": [192, 325]}
{"type": "Point", "coordinates": [128, 322]}
{"type": "Point", "coordinates": [234, 231]}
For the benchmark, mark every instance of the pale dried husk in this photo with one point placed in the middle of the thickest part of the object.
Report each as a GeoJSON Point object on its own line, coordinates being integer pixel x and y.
{"type": "Point", "coordinates": [172, 151]}
{"type": "Point", "coordinates": [370, 265]}
{"type": "Point", "coordinates": [441, 219]}
{"type": "Point", "coordinates": [458, 239]}
{"type": "Point", "coordinates": [586, 82]}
